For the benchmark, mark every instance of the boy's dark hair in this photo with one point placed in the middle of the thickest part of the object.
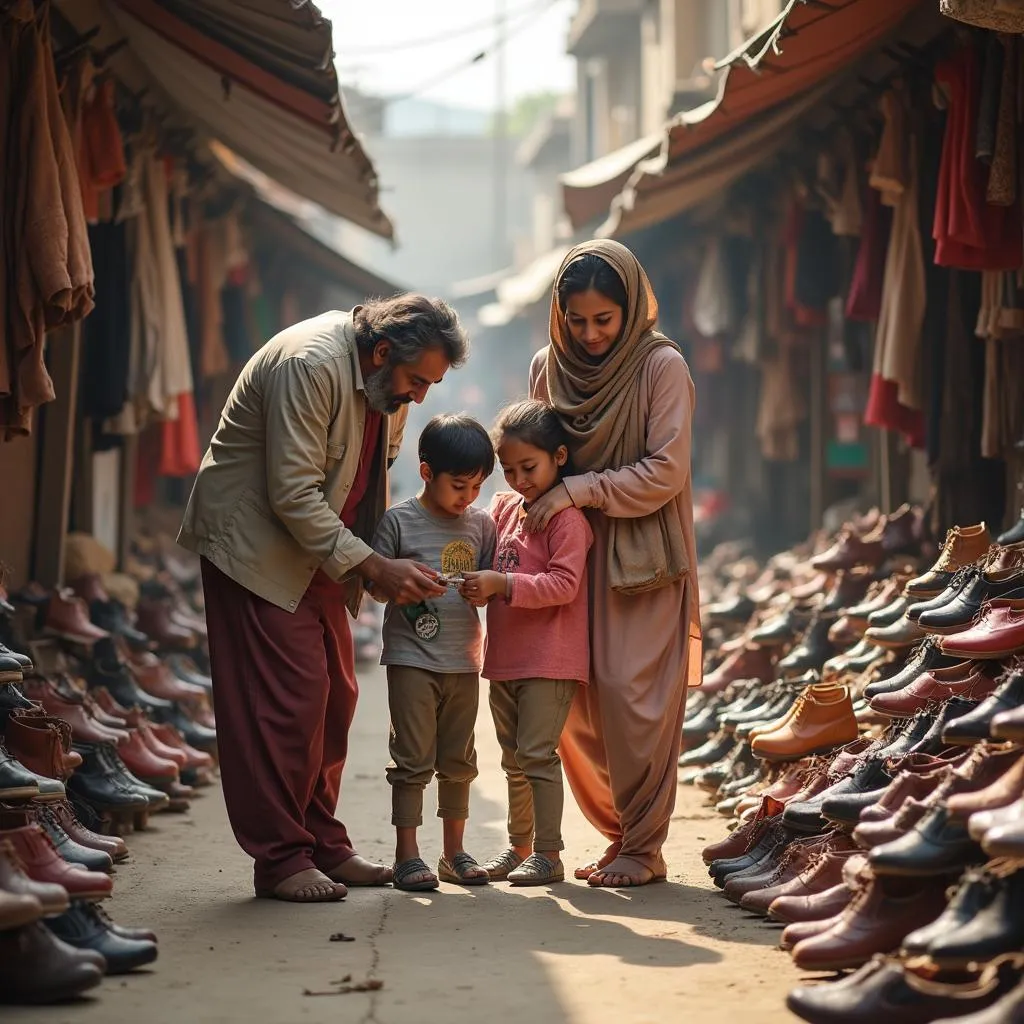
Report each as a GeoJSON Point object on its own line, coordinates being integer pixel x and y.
{"type": "Point", "coordinates": [457, 444]}
{"type": "Point", "coordinates": [533, 423]}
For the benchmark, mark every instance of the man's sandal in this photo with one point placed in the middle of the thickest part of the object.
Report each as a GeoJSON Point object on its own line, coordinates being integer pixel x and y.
{"type": "Point", "coordinates": [537, 870]}
{"type": "Point", "coordinates": [407, 869]}
{"type": "Point", "coordinates": [498, 867]}
{"type": "Point", "coordinates": [457, 872]}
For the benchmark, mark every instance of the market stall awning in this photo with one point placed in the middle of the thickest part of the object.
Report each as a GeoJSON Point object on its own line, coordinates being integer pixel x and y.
{"type": "Point", "coordinates": [519, 291]}
{"type": "Point", "coordinates": [587, 191]}
{"type": "Point", "coordinates": [295, 223]}
{"type": "Point", "coordinates": [256, 74]}
{"type": "Point", "coordinates": [808, 52]}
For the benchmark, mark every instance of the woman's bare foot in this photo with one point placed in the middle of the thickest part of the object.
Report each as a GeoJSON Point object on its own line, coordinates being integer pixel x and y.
{"type": "Point", "coordinates": [623, 873]}
{"type": "Point", "coordinates": [584, 873]}
{"type": "Point", "coordinates": [308, 886]}
{"type": "Point", "coordinates": [358, 871]}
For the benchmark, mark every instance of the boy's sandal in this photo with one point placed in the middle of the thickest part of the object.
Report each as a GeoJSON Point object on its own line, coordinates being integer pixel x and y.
{"type": "Point", "coordinates": [537, 870]}
{"type": "Point", "coordinates": [499, 867]}
{"type": "Point", "coordinates": [410, 868]}
{"type": "Point", "coordinates": [458, 871]}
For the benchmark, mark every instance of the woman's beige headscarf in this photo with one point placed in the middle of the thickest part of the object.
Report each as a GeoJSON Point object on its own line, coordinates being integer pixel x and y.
{"type": "Point", "coordinates": [599, 405]}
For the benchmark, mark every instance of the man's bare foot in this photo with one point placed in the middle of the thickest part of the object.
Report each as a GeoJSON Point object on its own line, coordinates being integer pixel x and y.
{"type": "Point", "coordinates": [308, 886]}
{"type": "Point", "coordinates": [623, 873]}
{"type": "Point", "coordinates": [358, 871]}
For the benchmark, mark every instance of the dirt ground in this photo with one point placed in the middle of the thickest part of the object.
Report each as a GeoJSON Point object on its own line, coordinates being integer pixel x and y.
{"type": "Point", "coordinates": [675, 951]}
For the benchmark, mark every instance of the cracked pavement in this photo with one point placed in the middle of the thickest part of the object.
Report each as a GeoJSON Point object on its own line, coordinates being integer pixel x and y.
{"type": "Point", "coordinates": [456, 956]}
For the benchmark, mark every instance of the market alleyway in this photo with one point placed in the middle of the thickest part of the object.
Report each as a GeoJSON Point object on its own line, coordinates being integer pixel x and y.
{"type": "Point", "coordinates": [458, 956]}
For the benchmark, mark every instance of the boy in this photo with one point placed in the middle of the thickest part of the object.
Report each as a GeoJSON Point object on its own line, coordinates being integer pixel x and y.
{"type": "Point", "coordinates": [432, 650]}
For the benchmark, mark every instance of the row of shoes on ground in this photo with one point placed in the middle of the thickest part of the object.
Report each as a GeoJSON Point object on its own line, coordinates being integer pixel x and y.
{"type": "Point", "coordinates": [878, 796]}
{"type": "Point", "coordinates": [97, 731]}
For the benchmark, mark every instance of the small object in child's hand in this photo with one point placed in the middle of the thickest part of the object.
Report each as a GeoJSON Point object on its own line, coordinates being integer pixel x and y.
{"type": "Point", "coordinates": [454, 580]}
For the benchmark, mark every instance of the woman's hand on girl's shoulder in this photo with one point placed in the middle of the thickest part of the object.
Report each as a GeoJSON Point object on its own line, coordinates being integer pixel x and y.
{"type": "Point", "coordinates": [546, 507]}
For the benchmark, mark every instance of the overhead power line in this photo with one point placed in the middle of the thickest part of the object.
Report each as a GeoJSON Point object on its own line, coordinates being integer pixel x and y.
{"type": "Point", "coordinates": [444, 37]}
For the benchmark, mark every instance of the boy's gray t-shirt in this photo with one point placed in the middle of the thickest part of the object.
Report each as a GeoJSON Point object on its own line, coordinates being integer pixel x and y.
{"type": "Point", "coordinates": [441, 634]}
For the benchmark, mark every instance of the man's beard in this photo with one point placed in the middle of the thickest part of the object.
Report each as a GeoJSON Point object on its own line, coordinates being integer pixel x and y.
{"type": "Point", "coordinates": [379, 394]}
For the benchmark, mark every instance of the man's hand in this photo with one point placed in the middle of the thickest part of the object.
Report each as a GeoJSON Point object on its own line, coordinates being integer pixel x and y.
{"type": "Point", "coordinates": [400, 579]}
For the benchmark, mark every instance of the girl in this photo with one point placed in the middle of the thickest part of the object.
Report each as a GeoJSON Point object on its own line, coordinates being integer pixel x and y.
{"type": "Point", "coordinates": [538, 648]}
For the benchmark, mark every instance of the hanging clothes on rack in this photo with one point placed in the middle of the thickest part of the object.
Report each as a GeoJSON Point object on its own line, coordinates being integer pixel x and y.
{"type": "Point", "coordinates": [48, 280]}
{"type": "Point", "coordinates": [970, 233]}
{"type": "Point", "coordinates": [895, 400]}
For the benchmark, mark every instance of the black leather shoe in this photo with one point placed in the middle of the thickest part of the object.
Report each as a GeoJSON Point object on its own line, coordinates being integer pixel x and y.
{"type": "Point", "coordinates": [24, 662]}
{"type": "Point", "coordinates": [1015, 534]}
{"type": "Point", "coordinates": [721, 870]}
{"type": "Point", "coordinates": [937, 845]}
{"type": "Point", "coordinates": [736, 609]}
{"type": "Point", "coordinates": [809, 816]}
{"type": "Point", "coordinates": [996, 929]}
{"type": "Point", "coordinates": [10, 669]}
{"type": "Point", "coordinates": [981, 587]}
{"type": "Point", "coordinates": [72, 852]}
{"type": "Point", "coordinates": [196, 735]}
{"type": "Point", "coordinates": [961, 578]}
{"type": "Point", "coordinates": [913, 733]}
{"type": "Point", "coordinates": [812, 652]}
{"type": "Point", "coordinates": [890, 614]}
{"type": "Point", "coordinates": [187, 671]}
{"type": "Point", "coordinates": [714, 750]}
{"type": "Point", "coordinates": [12, 699]}
{"type": "Point", "coordinates": [100, 785]}
{"type": "Point", "coordinates": [976, 891]}
{"type": "Point", "coordinates": [703, 723]}
{"type": "Point", "coordinates": [935, 738]}
{"type": "Point", "coordinates": [113, 617]}
{"type": "Point", "coordinates": [974, 726]}
{"type": "Point", "coordinates": [38, 968]}
{"type": "Point", "coordinates": [16, 781]}
{"type": "Point", "coordinates": [83, 928]}
{"type": "Point", "coordinates": [114, 675]}
{"type": "Point", "coordinates": [928, 656]}
{"type": "Point", "coordinates": [736, 763]}
{"type": "Point", "coordinates": [782, 629]}
{"type": "Point", "coordinates": [844, 802]}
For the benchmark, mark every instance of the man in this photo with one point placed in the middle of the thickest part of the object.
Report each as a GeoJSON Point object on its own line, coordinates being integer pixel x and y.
{"type": "Point", "coordinates": [286, 499]}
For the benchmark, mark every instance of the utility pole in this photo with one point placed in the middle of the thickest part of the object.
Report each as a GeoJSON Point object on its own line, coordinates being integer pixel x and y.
{"type": "Point", "coordinates": [501, 257]}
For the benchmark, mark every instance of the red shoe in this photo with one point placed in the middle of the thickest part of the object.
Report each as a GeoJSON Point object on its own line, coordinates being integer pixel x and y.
{"type": "Point", "coordinates": [970, 680]}
{"type": "Point", "coordinates": [42, 863]}
{"type": "Point", "coordinates": [997, 633]}
{"type": "Point", "coordinates": [142, 762]}
{"type": "Point", "coordinates": [197, 759]}
{"type": "Point", "coordinates": [746, 663]}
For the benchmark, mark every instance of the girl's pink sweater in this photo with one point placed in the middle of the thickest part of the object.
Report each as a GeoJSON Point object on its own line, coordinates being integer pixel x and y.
{"type": "Point", "coordinates": [542, 631]}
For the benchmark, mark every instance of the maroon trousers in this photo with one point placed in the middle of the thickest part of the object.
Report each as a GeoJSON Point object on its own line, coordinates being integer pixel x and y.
{"type": "Point", "coordinates": [284, 692]}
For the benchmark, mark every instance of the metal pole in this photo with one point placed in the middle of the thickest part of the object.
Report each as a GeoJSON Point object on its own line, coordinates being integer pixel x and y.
{"type": "Point", "coordinates": [501, 258]}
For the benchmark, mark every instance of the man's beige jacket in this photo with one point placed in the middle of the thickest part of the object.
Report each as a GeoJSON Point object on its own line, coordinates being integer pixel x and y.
{"type": "Point", "coordinates": [266, 503]}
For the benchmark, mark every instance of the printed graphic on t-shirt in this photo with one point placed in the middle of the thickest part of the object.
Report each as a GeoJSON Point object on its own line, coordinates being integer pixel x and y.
{"type": "Point", "coordinates": [458, 557]}
{"type": "Point", "coordinates": [424, 619]}
{"type": "Point", "coordinates": [508, 557]}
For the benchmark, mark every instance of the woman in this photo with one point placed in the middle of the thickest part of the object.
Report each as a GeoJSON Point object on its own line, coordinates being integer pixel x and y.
{"type": "Point", "coordinates": [624, 394]}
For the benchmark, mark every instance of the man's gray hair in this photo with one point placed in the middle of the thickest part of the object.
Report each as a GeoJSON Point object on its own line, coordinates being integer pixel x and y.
{"type": "Point", "coordinates": [411, 323]}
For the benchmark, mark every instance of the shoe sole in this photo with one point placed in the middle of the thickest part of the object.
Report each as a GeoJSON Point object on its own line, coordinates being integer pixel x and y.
{"type": "Point", "coordinates": [13, 676]}
{"type": "Point", "coordinates": [955, 652]}
{"type": "Point", "coordinates": [783, 758]}
{"type": "Point", "coordinates": [21, 793]}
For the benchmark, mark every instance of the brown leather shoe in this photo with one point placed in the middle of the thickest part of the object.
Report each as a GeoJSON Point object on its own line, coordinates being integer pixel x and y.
{"type": "Point", "coordinates": [970, 680]}
{"type": "Point", "coordinates": [43, 864]}
{"type": "Point", "coordinates": [1005, 790]}
{"type": "Point", "coordinates": [156, 619]}
{"type": "Point", "coordinates": [877, 920]}
{"type": "Point", "coordinates": [963, 546]}
{"type": "Point", "coordinates": [14, 879]}
{"type": "Point", "coordinates": [746, 836]}
{"type": "Point", "coordinates": [746, 663]}
{"type": "Point", "coordinates": [850, 552]}
{"type": "Point", "coordinates": [153, 676]}
{"type": "Point", "coordinates": [38, 968]}
{"type": "Point", "coordinates": [801, 931]}
{"type": "Point", "coordinates": [18, 910]}
{"type": "Point", "coordinates": [42, 743]}
{"type": "Point", "coordinates": [84, 728]}
{"type": "Point", "coordinates": [819, 906]}
{"type": "Point", "coordinates": [67, 617]}
{"type": "Point", "coordinates": [908, 785]}
{"type": "Point", "coordinates": [902, 634]}
{"type": "Point", "coordinates": [997, 633]}
{"type": "Point", "coordinates": [818, 725]}
{"type": "Point", "coordinates": [823, 870]}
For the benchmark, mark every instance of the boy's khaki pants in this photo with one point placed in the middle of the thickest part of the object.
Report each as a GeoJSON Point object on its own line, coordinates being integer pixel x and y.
{"type": "Point", "coordinates": [432, 720]}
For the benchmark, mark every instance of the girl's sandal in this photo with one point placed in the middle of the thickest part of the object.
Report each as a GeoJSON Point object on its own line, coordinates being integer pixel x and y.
{"type": "Point", "coordinates": [498, 867]}
{"type": "Point", "coordinates": [537, 870]}
{"type": "Point", "coordinates": [458, 871]}
{"type": "Point", "coordinates": [409, 868]}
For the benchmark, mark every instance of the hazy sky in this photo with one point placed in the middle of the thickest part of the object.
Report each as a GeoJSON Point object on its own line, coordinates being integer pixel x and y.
{"type": "Point", "coordinates": [535, 58]}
